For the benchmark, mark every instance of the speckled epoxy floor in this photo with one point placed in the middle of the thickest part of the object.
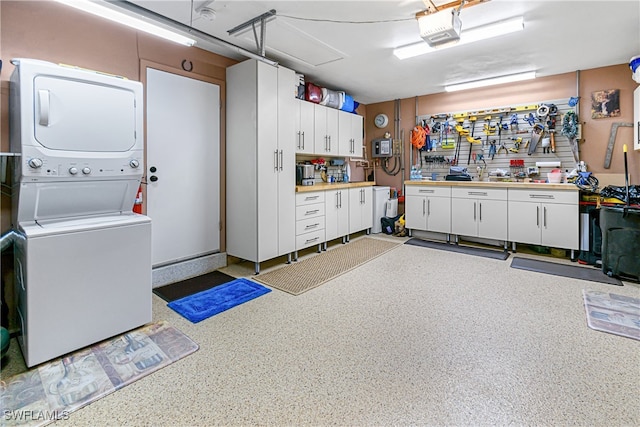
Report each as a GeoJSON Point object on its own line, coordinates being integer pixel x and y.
{"type": "Point", "coordinates": [416, 337]}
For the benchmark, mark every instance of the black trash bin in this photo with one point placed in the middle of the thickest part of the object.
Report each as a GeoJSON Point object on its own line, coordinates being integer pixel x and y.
{"type": "Point", "coordinates": [620, 241]}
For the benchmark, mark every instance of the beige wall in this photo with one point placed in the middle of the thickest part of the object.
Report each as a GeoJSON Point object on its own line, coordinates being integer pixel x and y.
{"type": "Point", "coordinates": [595, 131]}
{"type": "Point", "coordinates": [53, 32]}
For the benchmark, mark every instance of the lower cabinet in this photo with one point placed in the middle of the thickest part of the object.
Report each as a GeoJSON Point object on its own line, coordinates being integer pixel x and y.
{"type": "Point", "coordinates": [479, 212]}
{"type": "Point", "coordinates": [336, 205]}
{"type": "Point", "coordinates": [428, 208]}
{"type": "Point", "coordinates": [360, 209]}
{"type": "Point", "coordinates": [310, 219]}
{"type": "Point", "coordinates": [544, 217]}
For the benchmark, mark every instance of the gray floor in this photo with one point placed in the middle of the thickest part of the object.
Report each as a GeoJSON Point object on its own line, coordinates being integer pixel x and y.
{"type": "Point", "coordinates": [416, 337]}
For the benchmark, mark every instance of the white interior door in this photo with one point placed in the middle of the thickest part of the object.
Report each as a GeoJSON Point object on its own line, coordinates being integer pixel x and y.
{"type": "Point", "coordinates": [183, 153]}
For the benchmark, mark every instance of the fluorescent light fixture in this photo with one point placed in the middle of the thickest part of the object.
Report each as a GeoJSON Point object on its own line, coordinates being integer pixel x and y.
{"type": "Point", "coordinates": [493, 81]}
{"type": "Point", "coordinates": [121, 18]}
{"type": "Point", "coordinates": [467, 36]}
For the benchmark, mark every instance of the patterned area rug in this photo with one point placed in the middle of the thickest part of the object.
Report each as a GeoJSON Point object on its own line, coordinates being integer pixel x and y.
{"type": "Point", "coordinates": [311, 272]}
{"type": "Point", "coordinates": [53, 390]}
{"type": "Point", "coordinates": [612, 313]}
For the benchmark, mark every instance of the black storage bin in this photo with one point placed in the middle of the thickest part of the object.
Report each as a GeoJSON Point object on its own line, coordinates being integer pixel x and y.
{"type": "Point", "coordinates": [620, 241]}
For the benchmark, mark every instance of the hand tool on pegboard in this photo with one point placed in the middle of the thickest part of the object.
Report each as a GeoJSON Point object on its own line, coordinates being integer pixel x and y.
{"type": "Point", "coordinates": [471, 139]}
{"type": "Point", "coordinates": [551, 125]}
{"type": "Point", "coordinates": [536, 134]}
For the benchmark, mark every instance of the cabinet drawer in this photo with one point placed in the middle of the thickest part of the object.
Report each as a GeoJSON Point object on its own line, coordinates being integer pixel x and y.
{"type": "Point", "coordinates": [543, 196]}
{"type": "Point", "coordinates": [309, 198]}
{"type": "Point", "coordinates": [479, 193]}
{"type": "Point", "coordinates": [309, 239]}
{"type": "Point", "coordinates": [309, 224]}
{"type": "Point", "coordinates": [427, 190]}
{"type": "Point", "coordinates": [310, 211]}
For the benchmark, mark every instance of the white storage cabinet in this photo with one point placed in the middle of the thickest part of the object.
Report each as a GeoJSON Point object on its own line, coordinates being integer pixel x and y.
{"type": "Point", "coordinates": [325, 130]}
{"type": "Point", "coordinates": [360, 209]}
{"type": "Point", "coordinates": [260, 153]}
{"type": "Point", "coordinates": [310, 220]}
{"type": "Point", "coordinates": [428, 208]}
{"type": "Point", "coordinates": [336, 214]}
{"type": "Point", "coordinates": [544, 217]}
{"type": "Point", "coordinates": [350, 134]}
{"type": "Point", "coordinates": [479, 212]}
{"type": "Point", "coordinates": [304, 121]}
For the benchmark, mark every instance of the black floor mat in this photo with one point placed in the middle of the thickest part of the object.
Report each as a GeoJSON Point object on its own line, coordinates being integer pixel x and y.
{"type": "Point", "coordinates": [469, 250]}
{"type": "Point", "coordinates": [564, 270]}
{"type": "Point", "coordinates": [191, 286]}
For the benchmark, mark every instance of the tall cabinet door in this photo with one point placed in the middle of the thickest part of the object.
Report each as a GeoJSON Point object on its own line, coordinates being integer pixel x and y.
{"type": "Point", "coordinates": [268, 158]}
{"type": "Point", "coordinates": [286, 162]}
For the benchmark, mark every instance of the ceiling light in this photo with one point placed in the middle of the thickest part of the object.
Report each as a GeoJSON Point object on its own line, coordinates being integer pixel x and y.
{"type": "Point", "coordinates": [467, 36]}
{"type": "Point", "coordinates": [121, 18]}
{"type": "Point", "coordinates": [493, 81]}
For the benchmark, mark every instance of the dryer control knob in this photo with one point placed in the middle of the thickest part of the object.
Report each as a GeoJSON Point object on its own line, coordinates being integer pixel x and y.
{"type": "Point", "coordinates": [86, 171]}
{"type": "Point", "coordinates": [134, 163]}
{"type": "Point", "coordinates": [73, 170]}
{"type": "Point", "coordinates": [35, 163]}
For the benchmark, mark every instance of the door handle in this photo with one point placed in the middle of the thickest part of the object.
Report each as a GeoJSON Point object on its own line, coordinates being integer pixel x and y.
{"type": "Point", "coordinates": [428, 207]}
{"type": "Point", "coordinates": [424, 211]}
{"type": "Point", "coordinates": [281, 160]}
{"type": "Point", "coordinates": [43, 98]}
{"type": "Point", "coordinates": [303, 140]}
{"type": "Point", "coordinates": [480, 210]}
{"type": "Point", "coordinates": [337, 200]}
{"type": "Point", "coordinates": [538, 216]}
{"type": "Point", "coordinates": [340, 199]}
{"type": "Point", "coordinates": [299, 146]}
{"type": "Point", "coordinates": [544, 217]}
{"type": "Point", "coordinates": [275, 160]}
{"type": "Point", "coordinates": [474, 211]}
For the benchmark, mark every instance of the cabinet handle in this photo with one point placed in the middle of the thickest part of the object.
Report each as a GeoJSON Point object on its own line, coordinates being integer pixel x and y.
{"type": "Point", "coordinates": [329, 142]}
{"type": "Point", "coordinates": [299, 146]}
{"type": "Point", "coordinates": [281, 160]}
{"type": "Point", "coordinates": [544, 217]}
{"type": "Point", "coordinates": [275, 160]}
{"type": "Point", "coordinates": [426, 191]}
{"type": "Point", "coordinates": [337, 199]}
{"type": "Point", "coordinates": [477, 193]}
{"type": "Point", "coordinates": [541, 196]}
{"type": "Point", "coordinates": [428, 207]}
{"type": "Point", "coordinates": [340, 192]}
{"type": "Point", "coordinates": [474, 211]}
{"type": "Point", "coordinates": [303, 140]}
{"type": "Point", "coordinates": [424, 212]}
{"type": "Point", "coordinates": [311, 226]}
{"type": "Point", "coordinates": [311, 240]}
{"type": "Point", "coordinates": [480, 210]}
{"type": "Point", "coordinates": [312, 212]}
{"type": "Point", "coordinates": [311, 197]}
{"type": "Point", "coordinates": [538, 216]}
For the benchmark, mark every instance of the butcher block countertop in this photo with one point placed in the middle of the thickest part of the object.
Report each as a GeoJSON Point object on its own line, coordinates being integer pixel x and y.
{"type": "Point", "coordinates": [322, 186]}
{"type": "Point", "coordinates": [492, 184]}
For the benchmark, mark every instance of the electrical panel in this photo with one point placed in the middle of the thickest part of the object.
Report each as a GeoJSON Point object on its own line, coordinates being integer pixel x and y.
{"type": "Point", "coordinates": [382, 147]}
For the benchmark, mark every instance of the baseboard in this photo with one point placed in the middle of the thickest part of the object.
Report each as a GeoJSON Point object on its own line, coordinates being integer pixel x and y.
{"type": "Point", "coordinates": [182, 270]}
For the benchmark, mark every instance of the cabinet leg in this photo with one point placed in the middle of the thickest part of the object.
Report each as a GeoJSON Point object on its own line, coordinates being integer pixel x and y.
{"type": "Point", "coordinates": [319, 247]}
{"type": "Point", "coordinates": [513, 247]}
{"type": "Point", "coordinates": [344, 240]}
{"type": "Point", "coordinates": [573, 255]}
{"type": "Point", "coordinates": [295, 255]}
{"type": "Point", "coordinates": [457, 240]}
{"type": "Point", "coordinates": [409, 232]}
{"type": "Point", "coordinates": [324, 246]}
{"type": "Point", "coordinates": [506, 246]}
{"type": "Point", "coordinates": [347, 238]}
{"type": "Point", "coordinates": [368, 231]}
{"type": "Point", "coordinates": [257, 265]}
{"type": "Point", "coordinates": [289, 258]}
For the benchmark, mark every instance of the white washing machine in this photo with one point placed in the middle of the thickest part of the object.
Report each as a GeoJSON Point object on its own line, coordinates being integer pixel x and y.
{"type": "Point", "coordinates": [380, 197]}
{"type": "Point", "coordinates": [83, 258]}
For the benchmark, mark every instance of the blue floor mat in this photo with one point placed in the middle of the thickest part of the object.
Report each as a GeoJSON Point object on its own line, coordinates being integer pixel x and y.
{"type": "Point", "coordinates": [205, 304]}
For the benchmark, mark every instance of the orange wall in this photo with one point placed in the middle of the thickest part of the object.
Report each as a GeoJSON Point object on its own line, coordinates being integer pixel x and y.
{"type": "Point", "coordinates": [595, 131]}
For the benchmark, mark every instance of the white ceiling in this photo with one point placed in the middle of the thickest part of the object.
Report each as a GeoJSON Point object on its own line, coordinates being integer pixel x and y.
{"type": "Point", "coordinates": [559, 37]}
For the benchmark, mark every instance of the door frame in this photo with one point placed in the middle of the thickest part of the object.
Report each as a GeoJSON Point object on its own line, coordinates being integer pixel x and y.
{"type": "Point", "coordinates": [144, 65]}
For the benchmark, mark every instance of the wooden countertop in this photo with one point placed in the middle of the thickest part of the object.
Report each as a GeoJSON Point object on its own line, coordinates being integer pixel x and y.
{"type": "Point", "coordinates": [495, 184]}
{"type": "Point", "coordinates": [322, 186]}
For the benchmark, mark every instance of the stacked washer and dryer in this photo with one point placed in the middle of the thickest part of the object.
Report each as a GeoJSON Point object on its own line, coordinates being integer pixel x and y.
{"type": "Point", "coordinates": [82, 257]}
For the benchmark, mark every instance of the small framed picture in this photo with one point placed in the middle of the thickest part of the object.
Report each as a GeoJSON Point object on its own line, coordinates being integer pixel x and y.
{"type": "Point", "coordinates": [605, 103]}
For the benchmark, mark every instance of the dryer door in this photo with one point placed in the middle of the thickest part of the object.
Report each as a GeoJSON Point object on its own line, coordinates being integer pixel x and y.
{"type": "Point", "coordinates": [81, 115]}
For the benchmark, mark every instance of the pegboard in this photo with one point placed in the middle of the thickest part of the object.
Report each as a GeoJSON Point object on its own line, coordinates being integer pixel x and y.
{"type": "Point", "coordinates": [430, 162]}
